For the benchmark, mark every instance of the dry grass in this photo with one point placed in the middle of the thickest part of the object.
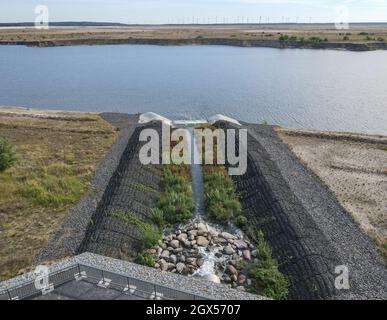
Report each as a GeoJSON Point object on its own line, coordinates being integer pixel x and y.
{"type": "Point", "coordinates": [56, 159]}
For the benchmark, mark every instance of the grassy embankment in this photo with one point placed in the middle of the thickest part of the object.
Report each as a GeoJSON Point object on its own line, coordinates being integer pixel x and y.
{"type": "Point", "coordinates": [56, 158]}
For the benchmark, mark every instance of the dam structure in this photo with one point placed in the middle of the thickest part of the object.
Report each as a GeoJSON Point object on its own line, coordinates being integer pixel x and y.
{"type": "Point", "coordinates": [309, 232]}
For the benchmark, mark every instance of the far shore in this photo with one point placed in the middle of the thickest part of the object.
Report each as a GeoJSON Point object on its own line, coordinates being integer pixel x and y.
{"type": "Point", "coordinates": [360, 37]}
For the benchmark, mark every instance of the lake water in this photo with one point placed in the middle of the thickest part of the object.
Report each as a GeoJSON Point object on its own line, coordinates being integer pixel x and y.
{"type": "Point", "coordinates": [345, 91]}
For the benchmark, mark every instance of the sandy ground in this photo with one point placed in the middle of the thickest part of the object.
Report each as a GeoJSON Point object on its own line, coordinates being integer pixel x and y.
{"type": "Point", "coordinates": [354, 167]}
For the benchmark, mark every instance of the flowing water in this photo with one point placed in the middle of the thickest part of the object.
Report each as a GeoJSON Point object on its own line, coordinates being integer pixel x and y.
{"type": "Point", "coordinates": [214, 263]}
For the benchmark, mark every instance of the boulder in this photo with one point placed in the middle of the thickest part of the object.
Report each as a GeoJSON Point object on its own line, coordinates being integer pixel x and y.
{"type": "Point", "coordinates": [202, 241]}
{"type": "Point", "coordinates": [227, 236]}
{"type": "Point", "coordinates": [163, 265]}
{"type": "Point", "coordinates": [187, 244]}
{"type": "Point", "coordinates": [228, 250]}
{"type": "Point", "coordinates": [174, 244]}
{"type": "Point", "coordinates": [178, 250]}
{"type": "Point", "coordinates": [202, 233]}
{"type": "Point", "coordinates": [231, 270]}
{"type": "Point", "coordinates": [240, 244]}
{"type": "Point", "coordinates": [173, 258]}
{"type": "Point", "coordinates": [171, 266]}
{"type": "Point", "coordinates": [191, 261]}
{"type": "Point", "coordinates": [202, 226]}
{"type": "Point", "coordinates": [241, 279]}
{"type": "Point", "coordinates": [226, 278]}
{"type": "Point", "coordinates": [180, 267]}
{"type": "Point", "coordinates": [247, 254]}
{"type": "Point", "coordinates": [182, 237]}
{"type": "Point", "coordinates": [193, 233]}
{"type": "Point", "coordinates": [165, 254]}
{"type": "Point", "coordinates": [233, 263]}
{"type": "Point", "coordinates": [221, 241]}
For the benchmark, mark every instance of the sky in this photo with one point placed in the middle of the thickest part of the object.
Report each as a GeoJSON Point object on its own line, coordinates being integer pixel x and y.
{"type": "Point", "coordinates": [202, 11]}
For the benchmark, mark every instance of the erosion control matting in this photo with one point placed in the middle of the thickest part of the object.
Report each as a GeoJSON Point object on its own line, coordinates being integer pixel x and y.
{"type": "Point", "coordinates": [132, 190]}
{"type": "Point", "coordinates": [309, 231]}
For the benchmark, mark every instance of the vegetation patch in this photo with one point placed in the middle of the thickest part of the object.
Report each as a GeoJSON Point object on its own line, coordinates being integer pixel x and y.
{"type": "Point", "coordinates": [267, 279]}
{"type": "Point", "coordinates": [56, 160]}
{"type": "Point", "coordinates": [7, 155]}
{"type": "Point", "coordinates": [145, 188]}
{"type": "Point", "coordinates": [55, 185]}
{"type": "Point", "coordinates": [150, 234]}
{"type": "Point", "coordinates": [176, 203]}
{"type": "Point", "coordinates": [221, 198]}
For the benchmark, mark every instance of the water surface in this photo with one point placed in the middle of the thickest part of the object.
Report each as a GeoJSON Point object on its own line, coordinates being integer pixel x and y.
{"type": "Point", "coordinates": [321, 89]}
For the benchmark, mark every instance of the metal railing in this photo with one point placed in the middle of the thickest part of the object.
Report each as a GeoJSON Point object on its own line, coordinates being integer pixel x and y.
{"type": "Point", "coordinates": [101, 278]}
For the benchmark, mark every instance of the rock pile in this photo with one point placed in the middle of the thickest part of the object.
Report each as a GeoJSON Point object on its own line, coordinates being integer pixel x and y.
{"type": "Point", "coordinates": [187, 252]}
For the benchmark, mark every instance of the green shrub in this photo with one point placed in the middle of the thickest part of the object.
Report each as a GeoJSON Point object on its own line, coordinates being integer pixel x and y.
{"type": "Point", "coordinates": [284, 38]}
{"type": "Point", "coordinates": [146, 259]}
{"type": "Point", "coordinates": [150, 235]}
{"type": "Point", "coordinates": [177, 207]}
{"type": "Point", "coordinates": [241, 221]}
{"type": "Point", "coordinates": [222, 205]}
{"type": "Point", "coordinates": [158, 217]}
{"type": "Point", "coordinates": [267, 279]}
{"type": "Point", "coordinates": [221, 199]}
{"type": "Point", "coordinates": [7, 155]}
{"type": "Point", "coordinates": [176, 203]}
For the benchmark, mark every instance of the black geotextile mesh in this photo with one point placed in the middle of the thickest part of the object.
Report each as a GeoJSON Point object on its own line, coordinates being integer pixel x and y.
{"type": "Point", "coordinates": [132, 190]}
